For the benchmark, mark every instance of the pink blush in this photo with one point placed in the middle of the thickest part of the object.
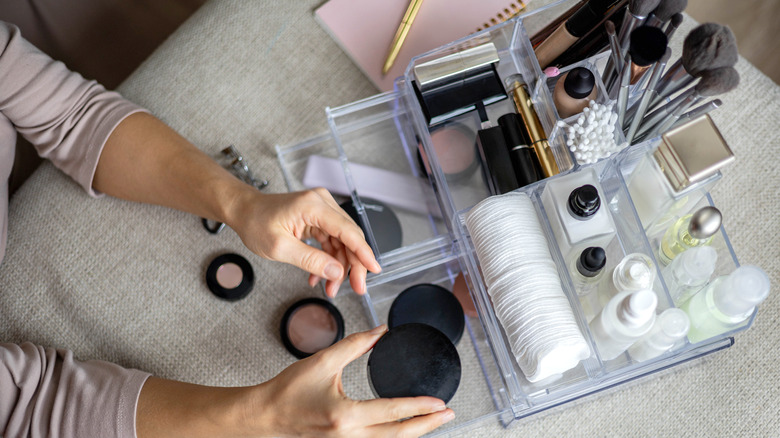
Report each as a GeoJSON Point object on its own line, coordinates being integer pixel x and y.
{"type": "Point", "coordinates": [311, 328]}
{"type": "Point", "coordinates": [229, 275]}
{"type": "Point", "coordinates": [454, 149]}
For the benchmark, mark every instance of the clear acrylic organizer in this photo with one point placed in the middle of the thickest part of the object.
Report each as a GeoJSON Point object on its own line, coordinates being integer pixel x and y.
{"type": "Point", "coordinates": [386, 131]}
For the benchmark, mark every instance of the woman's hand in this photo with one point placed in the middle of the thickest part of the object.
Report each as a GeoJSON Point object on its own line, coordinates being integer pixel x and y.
{"type": "Point", "coordinates": [273, 225]}
{"type": "Point", "coordinates": [306, 399]}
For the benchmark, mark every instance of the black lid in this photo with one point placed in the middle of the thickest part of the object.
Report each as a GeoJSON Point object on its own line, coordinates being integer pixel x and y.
{"type": "Point", "coordinates": [591, 261]}
{"type": "Point", "coordinates": [284, 330]}
{"type": "Point", "coordinates": [413, 360]}
{"type": "Point", "coordinates": [514, 130]}
{"type": "Point", "coordinates": [384, 224]}
{"type": "Point", "coordinates": [579, 82]}
{"type": "Point", "coordinates": [242, 289]}
{"type": "Point", "coordinates": [587, 16]}
{"type": "Point", "coordinates": [429, 304]}
{"type": "Point", "coordinates": [648, 45]}
{"type": "Point", "coordinates": [584, 201]}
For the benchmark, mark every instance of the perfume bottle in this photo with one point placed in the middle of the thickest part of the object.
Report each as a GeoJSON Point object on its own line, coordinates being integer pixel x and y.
{"type": "Point", "coordinates": [726, 303]}
{"type": "Point", "coordinates": [624, 320]}
{"type": "Point", "coordinates": [578, 217]}
{"type": "Point", "coordinates": [690, 272]}
{"type": "Point", "coordinates": [635, 272]}
{"type": "Point", "coordinates": [676, 175]}
{"type": "Point", "coordinates": [689, 231]}
{"type": "Point", "coordinates": [670, 326]}
{"type": "Point", "coordinates": [587, 272]}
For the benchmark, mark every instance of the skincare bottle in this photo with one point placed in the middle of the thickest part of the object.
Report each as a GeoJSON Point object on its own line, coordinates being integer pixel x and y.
{"type": "Point", "coordinates": [624, 320]}
{"type": "Point", "coordinates": [689, 231]}
{"type": "Point", "coordinates": [678, 172]}
{"type": "Point", "coordinates": [670, 326]}
{"type": "Point", "coordinates": [573, 91]}
{"type": "Point", "coordinates": [635, 272]}
{"type": "Point", "coordinates": [689, 272]}
{"type": "Point", "coordinates": [577, 215]}
{"type": "Point", "coordinates": [587, 269]}
{"type": "Point", "coordinates": [726, 303]}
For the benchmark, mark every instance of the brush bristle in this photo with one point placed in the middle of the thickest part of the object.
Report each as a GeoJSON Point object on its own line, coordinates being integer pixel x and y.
{"type": "Point", "coordinates": [717, 81]}
{"type": "Point", "coordinates": [709, 46]}
{"type": "Point", "coordinates": [609, 26]}
{"type": "Point", "coordinates": [676, 20]}
{"type": "Point", "coordinates": [667, 8]}
{"type": "Point", "coordinates": [642, 8]}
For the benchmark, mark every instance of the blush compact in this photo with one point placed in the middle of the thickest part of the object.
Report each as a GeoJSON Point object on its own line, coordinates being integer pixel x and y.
{"type": "Point", "coordinates": [310, 325]}
{"type": "Point", "coordinates": [454, 145]}
{"type": "Point", "coordinates": [230, 277]}
{"type": "Point", "coordinates": [429, 304]}
{"type": "Point", "coordinates": [414, 359]}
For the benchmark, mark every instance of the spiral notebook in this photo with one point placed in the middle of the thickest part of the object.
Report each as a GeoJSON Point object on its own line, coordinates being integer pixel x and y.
{"type": "Point", "coordinates": [365, 28]}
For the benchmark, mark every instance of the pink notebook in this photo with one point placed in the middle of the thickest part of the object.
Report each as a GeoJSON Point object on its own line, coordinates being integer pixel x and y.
{"type": "Point", "coordinates": [365, 28]}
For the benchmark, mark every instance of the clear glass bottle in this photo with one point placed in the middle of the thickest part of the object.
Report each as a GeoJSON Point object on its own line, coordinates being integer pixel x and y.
{"type": "Point", "coordinates": [624, 320]}
{"type": "Point", "coordinates": [689, 231]}
{"type": "Point", "coordinates": [587, 269]}
{"type": "Point", "coordinates": [678, 172]}
{"type": "Point", "coordinates": [635, 272]}
{"type": "Point", "coordinates": [578, 215]}
{"type": "Point", "coordinates": [690, 272]}
{"type": "Point", "coordinates": [670, 326]}
{"type": "Point", "coordinates": [726, 303]}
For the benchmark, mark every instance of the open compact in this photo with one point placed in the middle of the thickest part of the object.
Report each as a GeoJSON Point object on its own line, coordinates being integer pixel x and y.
{"type": "Point", "coordinates": [310, 325]}
{"type": "Point", "coordinates": [384, 223]}
{"type": "Point", "coordinates": [230, 277]}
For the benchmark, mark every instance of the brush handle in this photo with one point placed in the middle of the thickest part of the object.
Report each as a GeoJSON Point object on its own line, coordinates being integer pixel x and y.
{"type": "Point", "coordinates": [669, 121]}
{"type": "Point", "coordinates": [622, 101]}
{"type": "Point", "coordinates": [647, 95]}
{"type": "Point", "coordinates": [698, 112]}
{"type": "Point", "coordinates": [649, 122]}
{"type": "Point", "coordinates": [630, 22]}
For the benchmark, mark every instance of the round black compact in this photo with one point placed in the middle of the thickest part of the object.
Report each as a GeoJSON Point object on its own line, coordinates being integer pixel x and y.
{"type": "Point", "coordinates": [311, 325]}
{"type": "Point", "coordinates": [384, 223]}
{"type": "Point", "coordinates": [230, 277]}
{"type": "Point", "coordinates": [412, 360]}
{"type": "Point", "coordinates": [429, 304]}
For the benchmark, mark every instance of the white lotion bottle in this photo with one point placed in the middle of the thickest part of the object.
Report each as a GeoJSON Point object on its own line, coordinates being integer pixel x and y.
{"type": "Point", "coordinates": [670, 326]}
{"type": "Point", "coordinates": [726, 303]}
{"type": "Point", "coordinates": [578, 215]}
{"type": "Point", "coordinates": [625, 319]}
{"type": "Point", "coordinates": [689, 272]}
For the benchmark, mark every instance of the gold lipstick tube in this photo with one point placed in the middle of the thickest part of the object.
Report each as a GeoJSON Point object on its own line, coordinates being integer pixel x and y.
{"type": "Point", "coordinates": [535, 130]}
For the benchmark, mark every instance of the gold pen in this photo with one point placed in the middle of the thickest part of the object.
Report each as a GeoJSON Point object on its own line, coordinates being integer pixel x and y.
{"type": "Point", "coordinates": [400, 34]}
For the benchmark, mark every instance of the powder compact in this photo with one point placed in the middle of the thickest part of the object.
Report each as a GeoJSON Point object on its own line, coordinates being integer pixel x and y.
{"type": "Point", "coordinates": [454, 144]}
{"type": "Point", "coordinates": [230, 277]}
{"type": "Point", "coordinates": [384, 223]}
{"type": "Point", "coordinates": [414, 359]}
{"type": "Point", "coordinates": [428, 304]}
{"type": "Point", "coordinates": [310, 325]}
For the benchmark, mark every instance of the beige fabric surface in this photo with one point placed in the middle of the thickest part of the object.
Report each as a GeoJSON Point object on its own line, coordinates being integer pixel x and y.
{"type": "Point", "coordinates": [124, 282]}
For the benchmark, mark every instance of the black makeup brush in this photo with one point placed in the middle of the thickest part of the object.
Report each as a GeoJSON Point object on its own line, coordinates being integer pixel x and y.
{"type": "Point", "coordinates": [638, 11]}
{"type": "Point", "coordinates": [674, 23]}
{"type": "Point", "coordinates": [706, 47]}
{"type": "Point", "coordinates": [664, 11]}
{"type": "Point", "coordinates": [711, 83]}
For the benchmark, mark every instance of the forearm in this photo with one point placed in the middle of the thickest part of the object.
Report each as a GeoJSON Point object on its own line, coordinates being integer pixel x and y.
{"type": "Point", "coordinates": [146, 161]}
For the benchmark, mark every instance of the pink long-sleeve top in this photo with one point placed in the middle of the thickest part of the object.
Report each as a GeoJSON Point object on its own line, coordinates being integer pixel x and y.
{"type": "Point", "coordinates": [43, 391]}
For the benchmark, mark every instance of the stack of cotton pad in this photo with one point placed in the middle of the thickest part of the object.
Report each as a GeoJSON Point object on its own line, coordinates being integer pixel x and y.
{"type": "Point", "coordinates": [524, 286]}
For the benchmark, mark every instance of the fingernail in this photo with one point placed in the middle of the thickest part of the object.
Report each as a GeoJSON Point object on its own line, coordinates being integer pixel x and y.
{"type": "Point", "coordinates": [379, 329]}
{"type": "Point", "coordinates": [448, 416]}
{"type": "Point", "coordinates": [314, 280]}
{"type": "Point", "coordinates": [439, 408]}
{"type": "Point", "coordinates": [332, 271]}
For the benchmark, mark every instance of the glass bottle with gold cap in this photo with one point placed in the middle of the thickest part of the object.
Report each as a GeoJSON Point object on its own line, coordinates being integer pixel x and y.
{"type": "Point", "coordinates": [689, 231]}
{"type": "Point", "coordinates": [674, 177]}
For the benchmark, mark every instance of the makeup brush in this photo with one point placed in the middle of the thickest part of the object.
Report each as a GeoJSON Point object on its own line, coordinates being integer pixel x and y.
{"type": "Point", "coordinates": [647, 95]}
{"type": "Point", "coordinates": [572, 30]}
{"type": "Point", "coordinates": [664, 11]}
{"type": "Point", "coordinates": [614, 45]}
{"type": "Point", "coordinates": [622, 100]}
{"type": "Point", "coordinates": [708, 46]}
{"type": "Point", "coordinates": [698, 112]}
{"type": "Point", "coordinates": [674, 23]}
{"type": "Point", "coordinates": [712, 82]}
{"type": "Point", "coordinates": [637, 12]}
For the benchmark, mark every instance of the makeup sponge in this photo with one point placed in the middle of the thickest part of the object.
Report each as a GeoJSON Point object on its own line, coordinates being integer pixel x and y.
{"type": "Point", "coordinates": [709, 46]}
{"type": "Point", "coordinates": [717, 81]}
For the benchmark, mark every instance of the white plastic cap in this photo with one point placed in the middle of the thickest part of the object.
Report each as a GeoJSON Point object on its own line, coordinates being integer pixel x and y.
{"type": "Point", "coordinates": [638, 308]}
{"type": "Point", "coordinates": [674, 325]}
{"type": "Point", "coordinates": [741, 291]}
{"type": "Point", "coordinates": [696, 264]}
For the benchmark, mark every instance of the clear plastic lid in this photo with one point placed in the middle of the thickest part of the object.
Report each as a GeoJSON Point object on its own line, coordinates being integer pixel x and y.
{"type": "Point", "coordinates": [694, 266]}
{"type": "Point", "coordinates": [673, 324]}
{"type": "Point", "coordinates": [635, 272]}
{"type": "Point", "coordinates": [741, 291]}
